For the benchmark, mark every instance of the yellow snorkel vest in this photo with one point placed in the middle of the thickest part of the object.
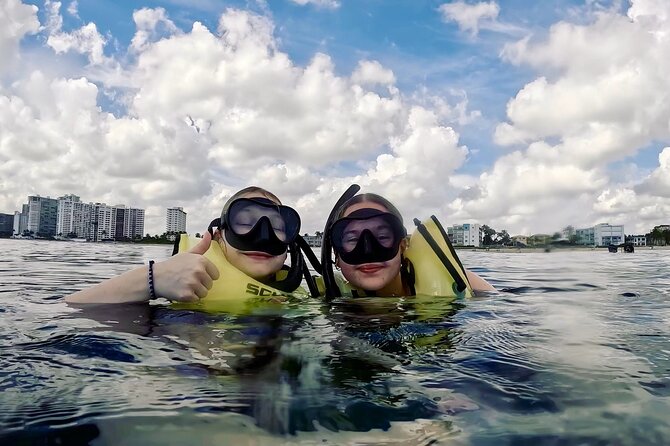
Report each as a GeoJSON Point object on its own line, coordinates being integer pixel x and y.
{"type": "Point", "coordinates": [234, 291]}
{"type": "Point", "coordinates": [437, 269]}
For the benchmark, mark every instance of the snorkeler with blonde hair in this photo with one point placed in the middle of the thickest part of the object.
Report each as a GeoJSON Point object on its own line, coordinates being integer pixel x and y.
{"type": "Point", "coordinates": [254, 233]}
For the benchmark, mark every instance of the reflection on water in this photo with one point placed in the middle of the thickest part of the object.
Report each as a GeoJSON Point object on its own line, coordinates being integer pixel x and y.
{"type": "Point", "coordinates": [575, 350]}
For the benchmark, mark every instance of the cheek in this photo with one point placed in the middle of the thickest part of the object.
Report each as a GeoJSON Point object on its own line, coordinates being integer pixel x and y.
{"type": "Point", "coordinates": [346, 269]}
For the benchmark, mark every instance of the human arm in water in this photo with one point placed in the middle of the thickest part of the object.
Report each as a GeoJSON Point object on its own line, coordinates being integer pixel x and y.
{"type": "Point", "coordinates": [477, 283]}
{"type": "Point", "coordinates": [185, 277]}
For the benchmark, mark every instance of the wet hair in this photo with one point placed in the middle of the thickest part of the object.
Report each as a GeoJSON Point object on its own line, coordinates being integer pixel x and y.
{"type": "Point", "coordinates": [373, 198]}
{"type": "Point", "coordinates": [249, 190]}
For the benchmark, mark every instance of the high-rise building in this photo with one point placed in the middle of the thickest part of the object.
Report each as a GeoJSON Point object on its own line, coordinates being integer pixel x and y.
{"type": "Point", "coordinates": [466, 234]}
{"type": "Point", "coordinates": [42, 215]}
{"type": "Point", "coordinates": [6, 225]}
{"type": "Point", "coordinates": [176, 220]}
{"type": "Point", "coordinates": [74, 217]}
{"type": "Point", "coordinates": [133, 222]}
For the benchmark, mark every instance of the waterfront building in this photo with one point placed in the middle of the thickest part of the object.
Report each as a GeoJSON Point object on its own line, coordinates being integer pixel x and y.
{"type": "Point", "coordinates": [115, 222]}
{"type": "Point", "coordinates": [637, 240]}
{"type": "Point", "coordinates": [74, 217]}
{"type": "Point", "coordinates": [42, 215]}
{"type": "Point", "coordinates": [466, 234]}
{"type": "Point", "coordinates": [21, 220]}
{"type": "Point", "coordinates": [134, 225]}
{"type": "Point", "coordinates": [602, 234]}
{"type": "Point", "coordinates": [520, 240]}
{"type": "Point", "coordinates": [314, 240]}
{"type": "Point", "coordinates": [6, 225]}
{"type": "Point", "coordinates": [175, 220]}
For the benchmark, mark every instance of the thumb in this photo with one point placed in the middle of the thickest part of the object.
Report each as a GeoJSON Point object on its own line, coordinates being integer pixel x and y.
{"type": "Point", "coordinates": [203, 245]}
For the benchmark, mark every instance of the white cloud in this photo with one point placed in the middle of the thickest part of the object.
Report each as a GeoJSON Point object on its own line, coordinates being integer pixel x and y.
{"type": "Point", "coordinates": [85, 40]}
{"type": "Point", "coordinates": [657, 184]}
{"type": "Point", "coordinates": [73, 8]}
{"type": "Point", "coordinates": [473, 17]}
{"type": "Point", "coordinates": [598, 98]}
{"type": "Point", "coordinates": [370, 72]}
{"type": "Point", "coordinates": [468, 17]}
{"type": "Point", "coordinates": [210, 112]}
{"type": "Point", "coordinates": [16, 21]}
{"type": "Point", "coordinates": [331, 4]}
{"type": "Point", "coordinates": [200, 113]}
{"type": "Point", "coordinates": [150, 24]}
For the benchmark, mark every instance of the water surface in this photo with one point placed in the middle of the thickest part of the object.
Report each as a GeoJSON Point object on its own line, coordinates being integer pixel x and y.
{"type": "Point", "coordinates": [574, 351]}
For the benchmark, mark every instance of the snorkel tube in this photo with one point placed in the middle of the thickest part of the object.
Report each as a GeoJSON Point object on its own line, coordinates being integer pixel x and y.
{"type": "Point", "coordinates": [332, 290]}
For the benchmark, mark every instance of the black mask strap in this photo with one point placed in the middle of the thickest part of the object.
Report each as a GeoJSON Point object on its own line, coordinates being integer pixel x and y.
{"type": "Point", "coordinates": [216, 223]}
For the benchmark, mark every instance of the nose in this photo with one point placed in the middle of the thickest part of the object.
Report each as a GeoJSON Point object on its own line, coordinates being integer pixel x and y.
{"type": "Point", "coordinates": [368, 247]}
{"type": "Point", "coordinates": [265, 228]}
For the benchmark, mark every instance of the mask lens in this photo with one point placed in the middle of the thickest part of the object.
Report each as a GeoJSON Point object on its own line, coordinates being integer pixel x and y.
{"type": "Point", "coordinates": [379, 227]}
{"type": "Point", "coordinates": [244, 214]}
{"type": "Point", "coordinates": [367, 236]}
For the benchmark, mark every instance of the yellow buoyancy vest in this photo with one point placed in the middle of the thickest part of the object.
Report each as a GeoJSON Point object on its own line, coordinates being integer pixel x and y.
{"type": "Point", "coordinates": [437, 269]}
{"type": "Point", "coordinates": [234, 291]}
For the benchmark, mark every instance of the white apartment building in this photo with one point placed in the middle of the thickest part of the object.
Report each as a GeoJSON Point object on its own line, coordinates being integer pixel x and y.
{"type": "Point", "coordinates": [637, 240]}
{"type": "Point", "coordinates": [466, 234]}
{"type": "Point", "coordinates": [117, 222]}
{"type": "Point", "coordinates": [74, 217]}
{"type": "Point", "coordinates": [176, 220]}
{"type": "Point", "coordinates": [602, 234]}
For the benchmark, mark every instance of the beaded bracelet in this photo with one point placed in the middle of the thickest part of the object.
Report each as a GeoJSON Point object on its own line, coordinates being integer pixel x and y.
{"type": "Point", "coordinates": [152, 290]}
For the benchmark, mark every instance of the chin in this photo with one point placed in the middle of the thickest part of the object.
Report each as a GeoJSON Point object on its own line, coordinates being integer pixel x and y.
{"type": "Point", "coordinates": [370, 284]}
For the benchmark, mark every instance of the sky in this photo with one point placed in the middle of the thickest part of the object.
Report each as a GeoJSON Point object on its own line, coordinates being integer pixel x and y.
{"type": "Point", "coordinates": [526, 116]}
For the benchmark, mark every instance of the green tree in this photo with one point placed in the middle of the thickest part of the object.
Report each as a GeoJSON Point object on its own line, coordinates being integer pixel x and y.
{"type": "Point", "coordinates": [489, 235]}
{"type": "Point", "coordinates": [503, 238]}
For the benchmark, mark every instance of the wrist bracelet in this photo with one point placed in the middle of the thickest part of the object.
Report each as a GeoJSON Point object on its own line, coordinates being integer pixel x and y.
{"type": "Point", "coordinates": [152, 290]}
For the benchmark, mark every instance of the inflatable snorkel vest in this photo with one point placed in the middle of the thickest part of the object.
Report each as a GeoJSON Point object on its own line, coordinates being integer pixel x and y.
{"type": "Point", "coordinates": [434, 266]}
{"type": "Point", "coordinates": [236, 292]}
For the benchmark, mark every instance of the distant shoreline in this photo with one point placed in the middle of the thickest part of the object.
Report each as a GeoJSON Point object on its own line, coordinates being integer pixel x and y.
{"type": "Point", "coordinates": [511, 249]}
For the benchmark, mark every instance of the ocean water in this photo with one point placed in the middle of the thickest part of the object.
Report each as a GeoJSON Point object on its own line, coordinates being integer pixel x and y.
{"type": "Point", "coordinates": [573, 350]}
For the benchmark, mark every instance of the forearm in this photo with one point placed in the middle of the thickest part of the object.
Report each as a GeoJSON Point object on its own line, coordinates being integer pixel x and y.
{"type": "Point", "coordinates": [477, 283]}
{"type": "Point", "coordinates": [131, 286]}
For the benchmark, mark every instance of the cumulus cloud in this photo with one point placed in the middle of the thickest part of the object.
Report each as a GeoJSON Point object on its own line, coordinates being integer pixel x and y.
{"type": "Point", "coordinates": [206, 112]}
{"type": "Point", "coordinates": [657, 184]}
{"type": "Point", "coordinates": [598, 98]}
{"type": "Point", "coordinates": [150, 24]}
{"type": "Point", "coordinates": [372, 72]}
{"type": "Point", "coordinates": [16, 21]}
{"type": "Point", "coordinates": [85, 40]}
{"type": "Point", "coordinates": [201, 112]}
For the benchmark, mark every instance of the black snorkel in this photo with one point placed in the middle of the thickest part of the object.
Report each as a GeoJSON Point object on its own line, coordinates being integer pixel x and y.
{"type": "Point", "coordinates": [332, 290]}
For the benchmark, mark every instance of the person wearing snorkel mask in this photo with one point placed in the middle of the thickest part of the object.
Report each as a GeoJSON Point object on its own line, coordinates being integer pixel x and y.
{"type": "Point", "coordinates": [254, 232]}
{"type": "Point", "coordinates": [368, 238]}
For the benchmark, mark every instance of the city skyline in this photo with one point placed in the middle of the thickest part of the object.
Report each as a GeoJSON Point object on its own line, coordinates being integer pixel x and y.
{"type": "Point", "coordinates": [175, 218]}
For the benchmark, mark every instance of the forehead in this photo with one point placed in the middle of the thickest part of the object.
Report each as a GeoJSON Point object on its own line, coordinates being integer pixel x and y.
{"type": "Point", "coordinates": [375, 223]}
{"type": "Point", "coordinates": [364, 205]}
